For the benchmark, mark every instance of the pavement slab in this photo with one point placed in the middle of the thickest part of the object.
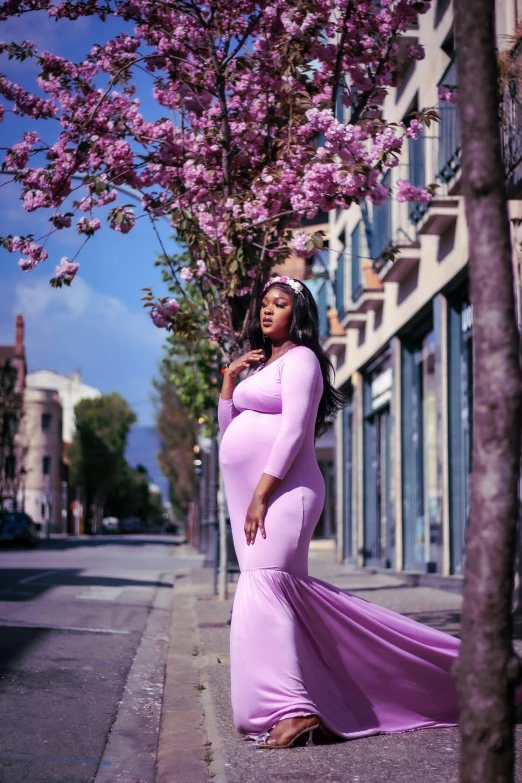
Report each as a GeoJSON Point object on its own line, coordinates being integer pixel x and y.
{"type": "Point", "coordinates": [430, 755]}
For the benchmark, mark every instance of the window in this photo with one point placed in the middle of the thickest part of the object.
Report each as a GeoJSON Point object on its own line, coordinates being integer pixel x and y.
{"type": "Point", "coordinates": [382, 224]}
{"type": "Point", "coordinates": [46, 421]}
{"type": "Point", "coordinates": [416, 166]}
{"type": "Point", "coordinates": [46, 466]}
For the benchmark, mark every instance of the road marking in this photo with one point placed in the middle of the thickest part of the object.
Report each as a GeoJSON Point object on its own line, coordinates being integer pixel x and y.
{"type": "Point", "coordinates": [96, 593]}
{"type": "Point", "coordinates": [35, 577]}
{"type": "Point", "coordinates": [14, 624]}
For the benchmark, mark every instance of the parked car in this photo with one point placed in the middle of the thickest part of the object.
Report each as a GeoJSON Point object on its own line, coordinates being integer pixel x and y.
{"type": "Point", "coordinates": [18, 527]}
{"type": "Point", "coordinates": [110, 525]}
{"type": "Point", "coordinates": [130, 525]}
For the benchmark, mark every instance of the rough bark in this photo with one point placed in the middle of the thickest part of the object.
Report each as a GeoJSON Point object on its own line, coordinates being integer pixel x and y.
{"type": "Point", "coordinates": [488, 669]}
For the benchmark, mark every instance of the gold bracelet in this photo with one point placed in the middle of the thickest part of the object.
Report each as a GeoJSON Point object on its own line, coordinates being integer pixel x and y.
{"type": "Point", "coordinates": [225, 370]}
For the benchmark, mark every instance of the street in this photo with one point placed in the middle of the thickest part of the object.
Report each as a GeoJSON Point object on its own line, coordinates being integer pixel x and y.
{"type": "Point", "coordinates": [74, 612]}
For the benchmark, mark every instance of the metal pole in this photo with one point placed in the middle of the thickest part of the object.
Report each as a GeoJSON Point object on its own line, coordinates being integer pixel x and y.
{"type": "Point", "coordinates": [210, 558]}
{"type": "Point", "coordinates": [223, 554]}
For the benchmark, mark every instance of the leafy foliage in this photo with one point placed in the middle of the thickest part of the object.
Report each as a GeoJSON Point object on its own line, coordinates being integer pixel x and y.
{"type": "Point", "coordinates": [97, 454]}
{"type": "Point", "coordinates": [178, 431]}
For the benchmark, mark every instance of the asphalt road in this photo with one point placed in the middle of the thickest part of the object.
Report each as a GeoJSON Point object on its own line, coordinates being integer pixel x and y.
{"type": "Point", "coordinates": [72, 614]}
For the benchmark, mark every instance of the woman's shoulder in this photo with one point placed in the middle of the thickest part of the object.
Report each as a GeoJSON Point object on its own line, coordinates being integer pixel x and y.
{"type": "Point", "coordinates": [301, 355]}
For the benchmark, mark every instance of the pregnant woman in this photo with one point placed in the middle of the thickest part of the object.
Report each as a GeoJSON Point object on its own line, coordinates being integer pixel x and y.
{"type": "Point", "coordinates": [303, 653]}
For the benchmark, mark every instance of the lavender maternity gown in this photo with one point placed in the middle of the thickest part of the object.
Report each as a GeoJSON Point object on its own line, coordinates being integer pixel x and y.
{"type": "Point", "coordinates": [299, 645]}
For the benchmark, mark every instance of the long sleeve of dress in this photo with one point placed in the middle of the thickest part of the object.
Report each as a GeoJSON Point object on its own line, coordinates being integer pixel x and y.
{"type": "Point", "coordinates": [301, 373]}
{"type": "Point", "coordinates": [226, 412]}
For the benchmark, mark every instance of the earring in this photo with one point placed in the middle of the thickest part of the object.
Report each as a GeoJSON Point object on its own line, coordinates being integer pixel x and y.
{"type": "Point", "coordinates": [300, 334]}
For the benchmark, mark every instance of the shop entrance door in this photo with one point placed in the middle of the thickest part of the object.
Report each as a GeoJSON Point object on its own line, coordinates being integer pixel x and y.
{"type": "Point", "coordinates": [378, 539]}
{"type": "Point", "coordinates": [347, 420]}
{"type": "Point", "coordinates": [460, 398]}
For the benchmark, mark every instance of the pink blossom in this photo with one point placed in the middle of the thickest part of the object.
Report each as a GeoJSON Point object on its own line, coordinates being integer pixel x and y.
{"type": "Point", "coordinates": [66, 270]}
{"type": "Point", "coordinates": [186, 274]}
{"type": "Point", "coordinates": [408, 192]}
{"type": "Point", "coordinates": [416, 52]}
{"type": "Point", "coordinates": [379, 194]}
{"type": "Point", "coordinates": [158, 319]}
{"type": "Point", "coordinates": [200, 268]}
{"type": "Point", "coordinates": [299, 241]}
{"type": "Point", "coordinates": [162, 313]}
{"type": "Point", "coordinates": [447, 95]}
{"type": "Point", "coordinates": [86, 226]}
{"type": "Point", "coordinates": [122, 219]}
{"type": "Point", "coordinates": [172, 307]}
{"type": "Point", "coordinates": [414, 129]}
{"type": "Point", "coordinates": [35, 253]}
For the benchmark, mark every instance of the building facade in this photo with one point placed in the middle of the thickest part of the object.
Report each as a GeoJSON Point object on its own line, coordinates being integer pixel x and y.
{"type": "Point", "coordinates": [13, 370]}
{"type": "Point", "coordinates": [44, 494]}
{"type": "Point", "coordinates": [70, 391]}
{"type": "Point", "coordinates": [401, 332]}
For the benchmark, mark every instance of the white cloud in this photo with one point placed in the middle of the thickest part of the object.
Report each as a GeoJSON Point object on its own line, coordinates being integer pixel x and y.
{"type": "Point", "coordinates": [114, 347]}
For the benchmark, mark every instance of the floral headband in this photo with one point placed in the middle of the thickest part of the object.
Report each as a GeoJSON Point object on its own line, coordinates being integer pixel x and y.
{"type": "Point", "coordinates": [295, 284]}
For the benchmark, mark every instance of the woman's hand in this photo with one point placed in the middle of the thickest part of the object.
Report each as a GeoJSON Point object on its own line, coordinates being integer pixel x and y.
{"type": "Point", "coordinates": [238, 365]}
{"type": "Point", "coordinates": [255, 518]}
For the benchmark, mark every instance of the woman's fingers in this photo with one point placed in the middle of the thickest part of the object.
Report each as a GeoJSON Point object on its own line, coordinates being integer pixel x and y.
{"type": "Point", "coordinates": [251, 527]}
{"type": "Point", "coordinates": [254, 356]}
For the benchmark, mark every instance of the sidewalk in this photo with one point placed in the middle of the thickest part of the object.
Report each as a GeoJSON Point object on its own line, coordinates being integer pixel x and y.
{"type": "Point", "coordinates": [198, 742]}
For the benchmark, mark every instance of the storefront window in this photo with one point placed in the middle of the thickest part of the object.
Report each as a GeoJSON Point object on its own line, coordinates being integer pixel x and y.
{"type": "Point", "coordinates": [460, 398]}
{"type": "Point", "coordinates": [379, 538]}
{"type": "Point", "coordinates": [347, 421]}
{"type": "Point", "coordinates": [421, 484]}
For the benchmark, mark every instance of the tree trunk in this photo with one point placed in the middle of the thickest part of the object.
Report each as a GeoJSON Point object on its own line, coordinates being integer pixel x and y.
{"type": "Point", "coordinates": [487, 669]}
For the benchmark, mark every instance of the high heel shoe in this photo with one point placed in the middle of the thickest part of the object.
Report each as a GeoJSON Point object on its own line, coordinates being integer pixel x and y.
{"type": "Point", "coordinates": [264, 741]}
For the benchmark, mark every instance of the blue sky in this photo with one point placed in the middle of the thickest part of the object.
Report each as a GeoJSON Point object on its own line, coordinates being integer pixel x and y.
{"type": "Point", "coordinates": [98, 325]}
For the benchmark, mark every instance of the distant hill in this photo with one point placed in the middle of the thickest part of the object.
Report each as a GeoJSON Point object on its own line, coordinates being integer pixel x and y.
{"type": "Point", "coordinates": [142, 447]}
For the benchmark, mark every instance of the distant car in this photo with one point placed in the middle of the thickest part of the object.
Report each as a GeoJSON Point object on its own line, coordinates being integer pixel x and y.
{"type": "Point", "coordinates": [110, 525]}
{"type": "Point", "coordinates": [130, 525]}
{"type": "Point", "coordinates": [19, 528]}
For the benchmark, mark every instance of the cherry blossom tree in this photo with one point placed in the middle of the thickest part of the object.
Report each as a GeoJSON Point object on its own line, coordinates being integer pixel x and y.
{"type": "Point", "coordinates": [251, 142]}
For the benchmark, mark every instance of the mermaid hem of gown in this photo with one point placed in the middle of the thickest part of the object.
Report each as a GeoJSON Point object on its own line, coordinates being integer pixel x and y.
{"type": "Point", "coordinates": [361, 668]}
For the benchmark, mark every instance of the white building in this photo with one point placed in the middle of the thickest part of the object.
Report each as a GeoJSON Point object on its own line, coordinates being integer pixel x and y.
{"type": "Point", "coordinates": [70, 390]}
{"type": "Point", "coordinates": [44, 491]}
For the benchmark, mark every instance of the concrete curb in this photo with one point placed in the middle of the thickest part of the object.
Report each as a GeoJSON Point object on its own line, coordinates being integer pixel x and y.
{"type": "Point", "coordinates": [130, 751]}
{"type": "Point", "coordinates": [187, 734]}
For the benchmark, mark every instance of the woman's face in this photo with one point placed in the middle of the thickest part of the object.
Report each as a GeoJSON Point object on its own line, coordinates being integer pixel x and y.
{"type": "Point", "coordinates": [276, 314]}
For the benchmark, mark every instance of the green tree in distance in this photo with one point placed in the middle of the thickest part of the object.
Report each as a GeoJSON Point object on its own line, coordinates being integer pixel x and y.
{"type": "Point", "coordinates": [130, 496]}
{"type": "Point", "coordinates": [97, 454]}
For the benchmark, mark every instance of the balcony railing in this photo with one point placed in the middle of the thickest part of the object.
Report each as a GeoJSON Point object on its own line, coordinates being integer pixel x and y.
{"type": "Point", "coordinates": [449, 129]}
